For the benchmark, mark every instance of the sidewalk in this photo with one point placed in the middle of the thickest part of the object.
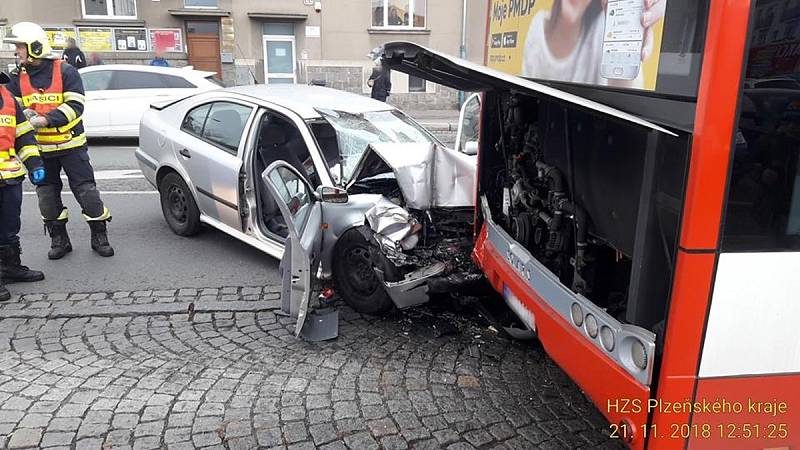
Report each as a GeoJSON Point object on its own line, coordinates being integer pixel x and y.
{"type": "Point", "coordinates": [436, 120]}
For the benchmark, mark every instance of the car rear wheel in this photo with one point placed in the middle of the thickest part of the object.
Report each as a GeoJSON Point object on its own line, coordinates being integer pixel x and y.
{"type": "Point", "coordinates": [178, 205]}
{"type": "Point", "coordinates": [355, 278]}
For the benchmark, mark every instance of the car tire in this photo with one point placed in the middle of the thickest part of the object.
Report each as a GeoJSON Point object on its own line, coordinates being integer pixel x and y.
{"type": "Point", "coordinates": [178, 205]}
{"type": "Point", "coordinates": [355, 278]}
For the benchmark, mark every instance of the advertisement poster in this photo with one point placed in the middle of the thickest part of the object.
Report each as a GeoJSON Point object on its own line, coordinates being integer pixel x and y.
{"type": "Point", "coordinates": [597, 42]}
{"type": "Point", "coordinates": [96, 39]}
{"type": "Point", "coordinates": [131, 39]}
{"type": "Point", "coordinates": [167, 39]}
{"type": "Point", "coordinates": [58, 36]}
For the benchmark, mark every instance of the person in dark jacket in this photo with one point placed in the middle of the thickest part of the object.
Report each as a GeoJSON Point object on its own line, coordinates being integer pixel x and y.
{"type": "Point", "coordinates": [18, 151]}
{"type": "Point", "coordinates": [51, 91]}
{"type": "Point", "coordinates": [73, 55]}
{"type": "Point", "coordinates": [380, 81]}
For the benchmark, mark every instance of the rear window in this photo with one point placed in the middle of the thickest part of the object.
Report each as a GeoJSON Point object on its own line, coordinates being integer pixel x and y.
{"type": "Point", "coordinates": [177, 82]}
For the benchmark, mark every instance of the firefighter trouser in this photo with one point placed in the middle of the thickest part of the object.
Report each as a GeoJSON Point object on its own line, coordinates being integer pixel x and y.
{"type": "Point", "coordinates": [10, 208]}
{"type": "Point", "coordinates": [80, 175]}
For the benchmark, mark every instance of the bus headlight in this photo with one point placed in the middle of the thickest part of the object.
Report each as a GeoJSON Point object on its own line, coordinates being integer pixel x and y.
{"type": "Point", "coordinates": [639, 354]}
{"type": "Point", "coordinates": [607, 338]}
{"type": "Point", "coordinates": [577, 314]}
{"type": "Point", "coordinates": [591, 325]}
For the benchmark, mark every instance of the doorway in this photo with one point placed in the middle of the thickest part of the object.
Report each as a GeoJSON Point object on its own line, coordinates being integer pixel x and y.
{"type": "Point", "coordinates": [202, 38]}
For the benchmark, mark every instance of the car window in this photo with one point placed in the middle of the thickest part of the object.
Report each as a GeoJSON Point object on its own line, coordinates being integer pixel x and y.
{"type": "Point", "coordinates": [294, 192]}
{"type": "Point", "coordinates": [225, 125]}
{"type": "Point", "coordinates": [174, 82]}
{"type": "Point", "coordinates": [129, 79]}
{"type": "Point", "coordinates": [195, 119]}
{"type": "Point", "coordinates": [96, 81]}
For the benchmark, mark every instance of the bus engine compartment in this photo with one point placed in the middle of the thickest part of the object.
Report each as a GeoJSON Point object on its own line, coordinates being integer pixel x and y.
{"type": "Point", "coordinates": [593, 199]}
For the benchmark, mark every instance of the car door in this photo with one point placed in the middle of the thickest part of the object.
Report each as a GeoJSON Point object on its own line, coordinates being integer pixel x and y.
{"type": "Point", "coordinates": [99, 102]}
{"type": "Point", "coordinates": [209, 149]}
{"type": "Point", "coordinates": [303, 216]}
{"type": "Point", "coordinates": [132, 92]}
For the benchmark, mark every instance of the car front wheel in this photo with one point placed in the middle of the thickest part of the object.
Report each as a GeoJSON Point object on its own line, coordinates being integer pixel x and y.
{"type": "Point", "coordinates": [355, 278]}
{"type": "Point", "coordinates": [178, 205]}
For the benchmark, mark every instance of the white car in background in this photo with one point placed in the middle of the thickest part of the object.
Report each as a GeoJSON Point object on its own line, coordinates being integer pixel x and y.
{"type": "Point", "coordinates": [117, 95]}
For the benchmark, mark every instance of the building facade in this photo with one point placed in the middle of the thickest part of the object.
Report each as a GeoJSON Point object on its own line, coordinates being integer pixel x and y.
{"type": "Point", "coordinates": [258, 41]}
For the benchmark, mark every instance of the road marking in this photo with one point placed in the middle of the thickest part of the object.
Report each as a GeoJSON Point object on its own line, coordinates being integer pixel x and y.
{"type": "Point", "coordinates": [117, 174]}
{"type": "Point", "coordinates": [104, 192]}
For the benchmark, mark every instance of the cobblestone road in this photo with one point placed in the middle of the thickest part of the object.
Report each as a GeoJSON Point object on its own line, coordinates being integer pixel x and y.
{"type": "Point", "coordinates": [217, 368]}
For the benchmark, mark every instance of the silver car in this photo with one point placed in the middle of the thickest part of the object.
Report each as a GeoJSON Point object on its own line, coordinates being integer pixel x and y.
{"type": "Point", "coordinates": [308, 163]}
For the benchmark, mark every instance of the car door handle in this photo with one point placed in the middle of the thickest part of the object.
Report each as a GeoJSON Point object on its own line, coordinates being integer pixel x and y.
{"type": "Point", "coordinates": [185, 153]}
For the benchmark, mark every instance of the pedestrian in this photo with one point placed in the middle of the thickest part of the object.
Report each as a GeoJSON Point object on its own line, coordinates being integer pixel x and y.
{"type": "Point", "coordinates": [18, 147]}
{"type": "Point", "coordinates": [52, 94]}
{"type": "Point", "coordinates": [95, 59]}
{"type": "Point", "coordinates": [380, 81]}
{"type": "Point", "coordinates": [73, 55]}
{"type": "Point", "coordinates": [158, 59]}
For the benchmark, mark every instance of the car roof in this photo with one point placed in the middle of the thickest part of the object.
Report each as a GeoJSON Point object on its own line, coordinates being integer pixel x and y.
{"type": "Point", "coordinates": [179, 71]}
{"type": "Point", "coordinates": [303, 99]}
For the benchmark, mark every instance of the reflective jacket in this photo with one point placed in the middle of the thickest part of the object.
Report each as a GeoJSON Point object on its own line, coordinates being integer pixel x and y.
{"type": "Point", "coordinates": [53, 89]}
{"type": "Point", "coordinates": [17, 143]}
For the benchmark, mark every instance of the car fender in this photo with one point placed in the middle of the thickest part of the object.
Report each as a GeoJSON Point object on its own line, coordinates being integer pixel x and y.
{"type": "Point", "coordinates": [338, 219]}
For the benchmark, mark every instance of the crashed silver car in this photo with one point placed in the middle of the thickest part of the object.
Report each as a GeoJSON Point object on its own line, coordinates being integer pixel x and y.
{"type": "Point", "coordinates": [340, 175]}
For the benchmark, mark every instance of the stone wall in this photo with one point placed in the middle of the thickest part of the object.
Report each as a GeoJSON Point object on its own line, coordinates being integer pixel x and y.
{"type": "Point", "coordinates": [143, 58]}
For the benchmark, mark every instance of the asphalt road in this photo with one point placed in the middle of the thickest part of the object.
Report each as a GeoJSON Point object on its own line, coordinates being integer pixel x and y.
{"type": "Point", "coordinates": [148, 254]}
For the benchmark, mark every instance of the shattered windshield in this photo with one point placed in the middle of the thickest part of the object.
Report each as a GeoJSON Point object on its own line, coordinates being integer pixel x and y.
{"type": "Point", "coordinates": [355, 132]}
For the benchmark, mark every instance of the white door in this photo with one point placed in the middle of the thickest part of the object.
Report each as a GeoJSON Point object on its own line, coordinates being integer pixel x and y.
{"type": "Point", "coordinates": [279, 60]}
{"type": "Point", "coordinates": [97, 112]}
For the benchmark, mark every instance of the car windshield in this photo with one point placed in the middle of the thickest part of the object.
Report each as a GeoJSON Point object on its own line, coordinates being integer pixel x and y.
{"type": "Point", "coordinates": [355, 132]}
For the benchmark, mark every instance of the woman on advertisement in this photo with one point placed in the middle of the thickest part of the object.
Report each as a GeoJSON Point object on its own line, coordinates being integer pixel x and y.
{"type": "Point", "coordinates": [600, 42]}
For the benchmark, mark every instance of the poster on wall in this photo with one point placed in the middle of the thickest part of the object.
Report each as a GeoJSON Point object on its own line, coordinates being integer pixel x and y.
{"type": "Point", "coordinates": [96, 39]}
{"type": "Point", "coordinates": [58, 36]}
{"type": "Point", "coordinates": [166, 39]}
{"type": "Point", "coordinates": [597, 42]}
{"type": "Point", "coordinates": [131, 39]}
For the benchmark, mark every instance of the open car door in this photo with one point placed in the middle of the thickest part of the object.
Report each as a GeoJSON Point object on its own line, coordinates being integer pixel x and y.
{"type": "Point", "coordinates": [303, 216]}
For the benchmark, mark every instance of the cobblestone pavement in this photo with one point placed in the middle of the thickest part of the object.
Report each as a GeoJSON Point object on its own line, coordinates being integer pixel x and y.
{"type": "Point", "coordinates": [217, 368]}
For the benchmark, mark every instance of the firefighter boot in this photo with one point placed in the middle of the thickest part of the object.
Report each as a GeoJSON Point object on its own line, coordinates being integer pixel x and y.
{"type": "Point", "coordinates": [100, 239]}
{"type": "Point", "coordinates": [12, 268]}
{"type": "Point", "coordinates": [60, 244]}
{"type": "Point", "coordinates": [4, 294]}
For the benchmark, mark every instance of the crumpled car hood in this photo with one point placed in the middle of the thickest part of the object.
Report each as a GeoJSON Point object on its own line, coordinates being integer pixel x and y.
{"type": "Point", "coordinates": [429, 176]}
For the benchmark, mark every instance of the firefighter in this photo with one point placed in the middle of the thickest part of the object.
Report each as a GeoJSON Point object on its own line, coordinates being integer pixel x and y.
{"type": "Point", "coordinates": [51, 91]}
{"type": "Point", "coordinates": [17, 147]}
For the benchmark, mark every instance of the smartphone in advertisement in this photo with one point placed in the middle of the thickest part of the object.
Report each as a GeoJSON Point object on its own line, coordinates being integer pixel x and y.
{"type": "Point", "coordinates": [622, 40]}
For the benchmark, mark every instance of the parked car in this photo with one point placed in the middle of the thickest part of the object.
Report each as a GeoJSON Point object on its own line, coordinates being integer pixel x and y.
{"type": "Point", "coordinates": [256, 161]}
{"type": "Point", "coordinates": [118, 94]}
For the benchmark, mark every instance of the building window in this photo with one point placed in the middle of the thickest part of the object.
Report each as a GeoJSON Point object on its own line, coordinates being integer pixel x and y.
{"type": "Point", "coordinates": [109, 8]}
{"type": "Point", "coordinates": [398, 13]}
{"type": "Point", "coordinates": [416, 84]}
{"type": "Point", "coordinates": [200, 3]}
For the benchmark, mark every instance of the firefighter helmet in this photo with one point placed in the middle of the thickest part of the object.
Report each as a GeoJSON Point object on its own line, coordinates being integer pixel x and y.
{"type": "Point", "coordinates": [34, 38]}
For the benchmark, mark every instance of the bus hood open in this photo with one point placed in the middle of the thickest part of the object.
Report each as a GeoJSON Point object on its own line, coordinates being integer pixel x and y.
{"type": "Point", "coordinates": [463, 75]}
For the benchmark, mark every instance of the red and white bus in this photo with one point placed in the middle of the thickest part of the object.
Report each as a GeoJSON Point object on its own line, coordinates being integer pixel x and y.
{"type": "Point", "coordinates": [649, 231]}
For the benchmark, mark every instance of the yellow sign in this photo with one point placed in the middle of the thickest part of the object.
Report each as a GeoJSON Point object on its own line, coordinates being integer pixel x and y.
{"type": "Point", "coordinates": [96, 39]}
{"type": "Point", "coordinates": [58, 36]}
{"type": "Point", "coordinates": [597, 42]}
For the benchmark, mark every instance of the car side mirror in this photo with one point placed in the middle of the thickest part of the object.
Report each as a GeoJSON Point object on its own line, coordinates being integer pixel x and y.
{"type": "Point", "coordinates": [471, 148]}
{"type": "Point", "coordinates": [329, 194]}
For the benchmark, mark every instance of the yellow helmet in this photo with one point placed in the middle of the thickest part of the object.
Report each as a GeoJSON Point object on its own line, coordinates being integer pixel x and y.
{"type": "Point", "coordinates": [34, 38]}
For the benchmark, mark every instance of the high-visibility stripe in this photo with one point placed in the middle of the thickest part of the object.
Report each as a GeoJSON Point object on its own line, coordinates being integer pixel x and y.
{"type": "Point", "coordinates": [18, 99]}
{"type": "Point", "coordinates": [77, 141]}
{"type": "Point", "coordinates": [68, 111]}
{"type": "Point", "coordinates": [102, 217]}
{"type": "Point", "coordinates": [28, 151]}
{"type": "Point", "coordinates": [74, 97]}
{"type": "Point", "coordinates": [64, 216]}
{"type": "Point", "coordinates": [751, 327]}
{"type": "Point", "coordinates": [24, 127]}
{"type": "Point", "coordinates": [45, 99]}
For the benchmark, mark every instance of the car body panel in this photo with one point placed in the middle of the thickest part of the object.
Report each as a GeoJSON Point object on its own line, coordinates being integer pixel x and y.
{"type": "Point", "coordinates": [116, 112]}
